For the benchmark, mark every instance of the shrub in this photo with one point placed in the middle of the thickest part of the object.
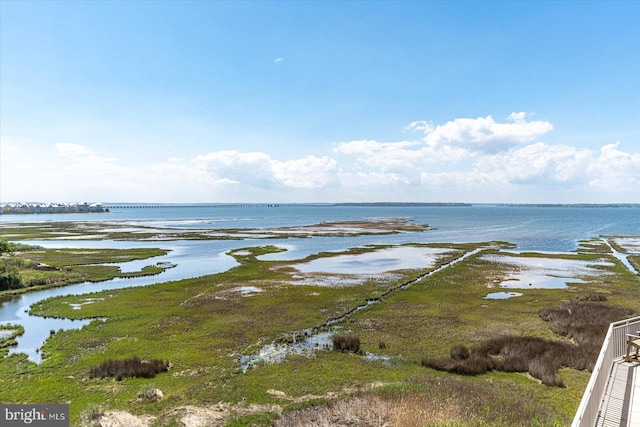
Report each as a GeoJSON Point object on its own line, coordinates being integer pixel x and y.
{"type": "Point", "coordinates": [9, 280]}
{"type": "Point", "coordinates": [459, 352]}
{"type": "Point", "coordinates": [592, 297]}
{"type": "Point", "coordinates": [474, 365]}
{"type": "Point", "coordinates": [440, 363]}
{"type": "Point", "coordinates": [5, 247]}
{"type": "Point", "coordinates": [584, 323]}
{"type": "Point", "coordinates": [545, 371]}
{"type": "Point", "coordinates": [132, 367]}
{"type": "Point", "coordinates": [349, 343]}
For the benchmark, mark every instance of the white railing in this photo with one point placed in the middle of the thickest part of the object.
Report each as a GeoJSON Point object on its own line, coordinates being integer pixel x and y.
{"type": "Point", "coordinates": [613, 347]}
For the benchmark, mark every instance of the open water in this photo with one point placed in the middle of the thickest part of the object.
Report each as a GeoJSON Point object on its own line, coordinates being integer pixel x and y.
{"type": "Point", "coordinates": [531, 228]}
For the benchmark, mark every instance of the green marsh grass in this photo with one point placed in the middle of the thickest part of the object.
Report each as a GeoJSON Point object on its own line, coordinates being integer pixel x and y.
{"type": "Point", "coordinates": [39, 268]}
{"type": "Point", "coordinates": [204, 325]}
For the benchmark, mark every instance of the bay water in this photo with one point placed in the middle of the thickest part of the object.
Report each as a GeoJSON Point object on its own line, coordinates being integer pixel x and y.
{"type": "Point", "coordinates": [554, 229]}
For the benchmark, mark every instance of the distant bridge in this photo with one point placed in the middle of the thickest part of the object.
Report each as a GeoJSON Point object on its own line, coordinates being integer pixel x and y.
{"type": "Point", "coordinates": [241, 205]}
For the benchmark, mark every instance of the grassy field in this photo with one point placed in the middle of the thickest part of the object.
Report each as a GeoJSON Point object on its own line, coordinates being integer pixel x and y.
{"type": "Point", "coordinates": [202, 327]}
{"type": "Point", "coordinates": [38, 268]}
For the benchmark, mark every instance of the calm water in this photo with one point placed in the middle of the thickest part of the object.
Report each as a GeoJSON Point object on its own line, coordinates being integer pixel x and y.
{"type": "Point", "coordinates": [553, 229]}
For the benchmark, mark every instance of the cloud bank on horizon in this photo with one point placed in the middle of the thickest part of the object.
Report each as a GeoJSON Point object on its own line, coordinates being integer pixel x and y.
{"type": "Point", "coordinates": [465, 159]}
{"type": "Point", "coordinates": [170, 101]}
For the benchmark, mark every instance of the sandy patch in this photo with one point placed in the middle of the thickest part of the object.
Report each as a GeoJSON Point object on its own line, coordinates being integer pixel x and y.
{"type": "Point", "coordinates": [196, 416]}
{"type": "Point", "coordinates": [122, 419]}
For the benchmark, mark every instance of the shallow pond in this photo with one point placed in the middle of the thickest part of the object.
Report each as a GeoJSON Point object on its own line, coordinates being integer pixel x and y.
{"type": "Point", "coordinates": [630, 244]}
{"type": "Point", "coordinates": [546, 273]}
{"type": "Point", "coordinates": [502, 295]}
{"type": "Point", "coordinates": [378, 261]}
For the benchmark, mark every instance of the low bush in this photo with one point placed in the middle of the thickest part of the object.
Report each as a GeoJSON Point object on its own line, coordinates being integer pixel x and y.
{"type": "Point", "coordinates": [591, 297]}
{"type": "Point", "coordinates": [541, 358]}
{"type": "Point", "coordinates": [586, 324]}
{"type": "Point", "coordinates": [10, 279]}
{"type": "Point", "coordinates": [5, 246]}
{"type": "Point", "coordinates": [459, 352]}
{"type": "Point", "coordinates": [132, 367]}
{"type": "Point", "coordinates": [348, 343]}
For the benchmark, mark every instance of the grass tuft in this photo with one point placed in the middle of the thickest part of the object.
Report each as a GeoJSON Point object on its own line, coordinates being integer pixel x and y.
{"type": "Point", "coordinates": [133, 367]}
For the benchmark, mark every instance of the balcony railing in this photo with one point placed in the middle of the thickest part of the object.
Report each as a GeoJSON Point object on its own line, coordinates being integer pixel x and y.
{"type": "Point", "coordinates": [613, 348]}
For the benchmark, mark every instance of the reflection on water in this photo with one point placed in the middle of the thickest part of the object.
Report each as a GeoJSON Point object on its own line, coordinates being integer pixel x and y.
{"type": "Point", "coordinates": [546, 273]}
{"type": "Point", "coordinates": [631, 245]}
{"type": "Point", "coordinates": [529, 227]}
{"type": "Point", "coordinates": [502, 295]}
{"type": "Point", "coordinates": [538, 281]}
{"type": "Point", "coordinates": [85, 301]}
{"type": "Point", "coordinates": [623, 257]}
{"type": "Point", "coordinates": [277, 352]}
{"type": "Point", "coordinates": [192, 259]}
{"type": "Point", "coordinates": [378, 261]}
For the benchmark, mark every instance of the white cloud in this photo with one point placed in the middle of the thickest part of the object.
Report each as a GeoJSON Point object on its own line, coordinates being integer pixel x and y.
{"type": "Point", "coordinates": [613, 168]}
{"type": "Point", "coordinates": [260, 170]}
{"type": "Point", "coordinates": [80, 156]}
{"type": "Point", "coordinates": [384, 156]}
{"type": "Point", "coordinates": [420, 125]}
{"type": "Point", "coordinates": [538, 164]}
{"type": "Point", "coordinates": [253, 168]}
{"type": "Point", "coordinates": [481, 156]}
{"type": "Point", "coordinates": [485, 135]}
{"type": "Point", "coordinates": [372, 180]}
{"type": "Point", "coordinates": [66, 149]}
{"type": "Point", "coordinates": [308, 172]}
{"type": "Point", "coordinates": [547, 166]}
{"type": "Point", "coordinates": [462, 160]}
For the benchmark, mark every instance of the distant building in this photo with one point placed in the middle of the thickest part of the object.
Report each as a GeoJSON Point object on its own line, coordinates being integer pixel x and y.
{"type": "Point", "coordinates": [40, 208]}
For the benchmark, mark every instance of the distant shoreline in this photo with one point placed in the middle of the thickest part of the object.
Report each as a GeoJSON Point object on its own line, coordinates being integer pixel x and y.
{"type": "Point", "coordinates": [62, 208]}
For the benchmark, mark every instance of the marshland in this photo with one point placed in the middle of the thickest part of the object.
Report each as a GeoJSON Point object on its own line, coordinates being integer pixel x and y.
{"type": "Point", "coordinates": [371, 316]}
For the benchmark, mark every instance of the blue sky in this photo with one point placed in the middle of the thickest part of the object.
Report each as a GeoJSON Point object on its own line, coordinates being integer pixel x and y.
{"type": "Point", "coordinates": [161, 101]}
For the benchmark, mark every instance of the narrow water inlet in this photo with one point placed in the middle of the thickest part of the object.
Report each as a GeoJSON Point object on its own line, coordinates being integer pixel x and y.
{"type": "Point", "coordinates": [621, 257]}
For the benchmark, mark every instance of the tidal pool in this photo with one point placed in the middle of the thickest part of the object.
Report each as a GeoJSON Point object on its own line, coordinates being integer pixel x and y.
{"type": "Point", "coordinates": [629, 244]}
{"type": "Point", "coordinates": [502, 295]}
{"type": "Point", "coordinates": [247, 290]}
{"type": "Point", "coordinates": [546, 273]}
{"type": "Point", "coordinates": [377, 261]}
